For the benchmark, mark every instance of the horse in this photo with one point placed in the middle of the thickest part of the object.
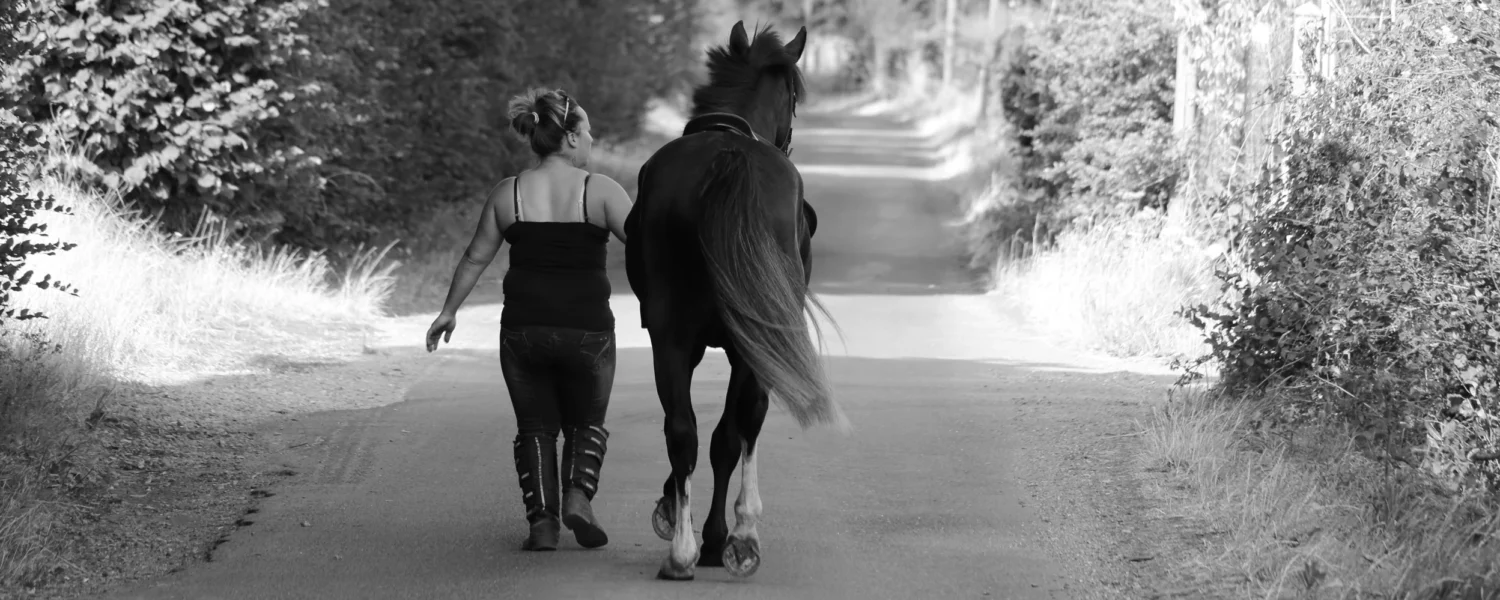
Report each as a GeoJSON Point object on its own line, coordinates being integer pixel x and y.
{"type": "Point", "coordinates": [717, 252]}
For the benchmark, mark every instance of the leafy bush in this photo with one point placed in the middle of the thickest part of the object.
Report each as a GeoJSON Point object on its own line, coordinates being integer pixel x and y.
{"type": "Point", "coordinates": [1089, 95]}
{"type": "Point", "coordinates": [1371, 260]}
{"type": "Point", "coordinates": [166, 96]}
{"type": "Point", "coordinates": [18, 237]}
{"type": "Point", "coordinates": [19, 232]}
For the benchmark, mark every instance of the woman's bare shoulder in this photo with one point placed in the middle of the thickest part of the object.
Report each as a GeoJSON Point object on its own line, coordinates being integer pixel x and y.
{"type": "Point", "coordinates": [500, 196]}
{"type": "Point", "coordinates": [607, 184]}
{"type": "Point", "coordinates": [504, 186]}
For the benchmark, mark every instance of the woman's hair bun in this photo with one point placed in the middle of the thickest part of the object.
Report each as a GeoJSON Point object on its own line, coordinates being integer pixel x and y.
{"type": "Point", "coordinates": [543, 117]}
{"type": "Point", "coordinates": [523, 112]}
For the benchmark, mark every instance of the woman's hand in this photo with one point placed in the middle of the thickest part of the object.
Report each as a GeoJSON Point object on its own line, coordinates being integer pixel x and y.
{"type": "Point", "coordinates": [442, 327]}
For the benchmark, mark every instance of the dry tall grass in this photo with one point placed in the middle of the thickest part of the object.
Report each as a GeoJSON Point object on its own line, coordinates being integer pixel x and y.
{"type": "Point", "coordinates": [1300, 512]}
{"type": "Point", "coordinates": [151, 309]}
{"type": "Point", "coordinates": [1114, 286]}
{"type": "Point", "coordinates": [150, 304]}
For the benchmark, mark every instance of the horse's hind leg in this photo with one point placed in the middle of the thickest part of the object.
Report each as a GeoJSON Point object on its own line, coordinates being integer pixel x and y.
{"type": "Point", "coordinates": [741, 553]}
{"type": "Point", "coordinates": [724, 452]}
{"type": "Point", "coordinates": [674, 362]}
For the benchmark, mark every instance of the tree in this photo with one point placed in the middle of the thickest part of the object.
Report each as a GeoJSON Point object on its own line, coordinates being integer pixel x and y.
{"type": "Point", "coordinates": [886, 26]}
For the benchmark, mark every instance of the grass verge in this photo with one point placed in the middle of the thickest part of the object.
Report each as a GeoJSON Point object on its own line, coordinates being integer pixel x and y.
{"type": "Point", "coordinates": [1282, 508]}
{"type": "Point", "coordinates": [1114, 286]}
{"type": "Point", "coordinates": [152, 310]}
{"type": "Point", "coordinates": [1298, 511]}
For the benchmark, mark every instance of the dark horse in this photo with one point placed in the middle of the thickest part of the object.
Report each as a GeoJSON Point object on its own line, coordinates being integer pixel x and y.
{"type": "Point", "coordinates": [718, 256]}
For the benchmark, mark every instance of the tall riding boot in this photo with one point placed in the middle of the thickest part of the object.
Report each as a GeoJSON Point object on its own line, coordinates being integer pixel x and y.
{"type": "Point", "coordinates": [583, 455]}
{"type": "Point", "coordinates": [536, 463]}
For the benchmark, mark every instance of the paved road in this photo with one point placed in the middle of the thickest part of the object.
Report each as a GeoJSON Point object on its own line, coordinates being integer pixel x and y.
{"type": "Point", "coordinates": [419, 499]}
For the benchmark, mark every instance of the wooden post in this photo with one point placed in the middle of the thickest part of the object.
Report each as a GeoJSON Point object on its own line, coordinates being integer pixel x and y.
{"type": "Point", "coordinates": [1258, 77]}
{"type": "Point", "coordinates": [1185, 84]}
{"type": "Point", "coordinates": [1184, 93]}
{"type": "Point", "coordinates": [1307, 26]}
{"type": "Point", "coordinates": [1184, 117]}
{"type": "Point", "coordinates": [1327, 55]}
{"type": "Point", "coordinates": [807, 14]}
{"type": "Point", "coordinates": [950, 33]}
{"type": "Point", "coordinates": [991, 57]}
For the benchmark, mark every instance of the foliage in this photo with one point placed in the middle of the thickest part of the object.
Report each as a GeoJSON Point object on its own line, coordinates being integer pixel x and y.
{"type": "Point", "coordinates": [398, 100]}
{"type": "Point", "coordinates": [19, 232]}
{"type": "Point", "coordinates": [326, 123]}
{"type": "Point", "coordinates": [1371, 255]}
{"type": "Point", "coordinates": [167, 96]}
{"type": "Point", "coordinates": [1090, 97]}
{"type": "Point", "coordinates": [405, 101]}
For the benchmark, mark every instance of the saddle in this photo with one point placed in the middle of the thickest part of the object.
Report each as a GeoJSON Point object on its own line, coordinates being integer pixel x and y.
{"type": "Point", "coordinates": [732, 123]}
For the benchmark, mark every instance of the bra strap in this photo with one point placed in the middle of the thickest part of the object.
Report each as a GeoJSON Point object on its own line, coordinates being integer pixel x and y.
{"type": "Point", "coordinates": [515, 195]}
{"type": "Point", "coordinates": [585, 200]}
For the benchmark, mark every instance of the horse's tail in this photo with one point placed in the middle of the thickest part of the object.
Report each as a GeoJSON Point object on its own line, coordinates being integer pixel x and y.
{"type": "Point", "coordinates": [762, 293]}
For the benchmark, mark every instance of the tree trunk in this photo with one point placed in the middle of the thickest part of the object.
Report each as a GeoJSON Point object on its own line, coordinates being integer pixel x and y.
{"type": "Point", "coordinates": [807, 15]}
{"type": "Point", "coordinates": [950, 35]}
{"type": "Point", "coordinates": [879, 57]}
{"type": "Point", "coordinates": [1185, 84]}
{"type": "Point", "coordinates": [1180, 208]}
{"type": "Point", "coordinates": [991, 58]}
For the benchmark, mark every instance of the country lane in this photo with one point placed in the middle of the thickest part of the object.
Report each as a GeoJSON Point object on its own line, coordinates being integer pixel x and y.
{"type": "Point", "coordinates": [419, 499]}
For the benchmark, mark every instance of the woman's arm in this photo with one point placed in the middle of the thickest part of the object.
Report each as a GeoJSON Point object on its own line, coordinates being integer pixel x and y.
{"type": "Point", "coordinates": [616, 205]}
{"type": "Point", "coordinates": [482, 250]}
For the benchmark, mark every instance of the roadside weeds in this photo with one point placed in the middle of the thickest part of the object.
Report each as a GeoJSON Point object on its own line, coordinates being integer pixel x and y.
{"type": "Point", "coordinates": [119, 456]}
{"type": "Point", "coordinates": [1292, 510]}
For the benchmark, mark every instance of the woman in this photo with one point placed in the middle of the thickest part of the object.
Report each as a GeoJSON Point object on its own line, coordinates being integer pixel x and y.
{"type": "Point", "coordinates": [557, 340]}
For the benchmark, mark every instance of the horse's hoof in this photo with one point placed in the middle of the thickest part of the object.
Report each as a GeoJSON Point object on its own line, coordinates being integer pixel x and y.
{"type": "Point", "coordinates": [661, 520]}
{"type": "Point", "coordinates": [671, 572]}
{"type": "Point", "coordinates": [741, 556]}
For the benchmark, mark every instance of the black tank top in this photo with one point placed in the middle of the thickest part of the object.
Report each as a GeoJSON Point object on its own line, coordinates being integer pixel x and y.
{"type": "Point", "coordinates": [556, 275]}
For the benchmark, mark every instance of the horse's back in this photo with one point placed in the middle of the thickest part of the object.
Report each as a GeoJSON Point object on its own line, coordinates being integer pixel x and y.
{"type": "Point", "coordinates": [671, 180]}
{"type": "Point", "coordinates": [669, 210]}
{"type": "Point", "coordinates": [664, 258]}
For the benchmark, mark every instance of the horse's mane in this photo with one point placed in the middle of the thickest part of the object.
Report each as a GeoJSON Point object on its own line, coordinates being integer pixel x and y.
{"type": "Point", "coordinates": [732, 77]}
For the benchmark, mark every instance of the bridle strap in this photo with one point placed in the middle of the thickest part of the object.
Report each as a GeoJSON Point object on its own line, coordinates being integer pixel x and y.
{"type": "Point", "coordinates": [730, 122]}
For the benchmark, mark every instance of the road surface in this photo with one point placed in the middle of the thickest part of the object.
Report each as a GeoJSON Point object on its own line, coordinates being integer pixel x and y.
{"type": "Point", "coordinates": [419, 499]}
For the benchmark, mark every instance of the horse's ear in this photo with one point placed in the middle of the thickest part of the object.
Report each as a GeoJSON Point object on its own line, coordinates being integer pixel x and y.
{"type": "Point", "coordinates": [739, 41]}
{"type": "Point", "coordinates": [794, 48]}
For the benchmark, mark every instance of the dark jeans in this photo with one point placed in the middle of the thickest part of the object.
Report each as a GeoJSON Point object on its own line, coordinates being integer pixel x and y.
{"type": "Point", "coordinates": [557, 376]}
